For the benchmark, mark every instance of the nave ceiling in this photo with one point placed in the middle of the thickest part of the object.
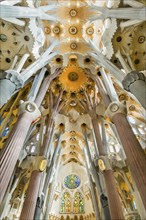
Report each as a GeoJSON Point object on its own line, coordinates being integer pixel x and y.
{"type": "Point", "coordinates": [78, 31]}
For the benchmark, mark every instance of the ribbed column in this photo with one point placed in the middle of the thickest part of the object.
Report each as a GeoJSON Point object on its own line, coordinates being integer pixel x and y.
{"type": "Point", "coordinates": [29, 205]}
{"type": "Point", "coordinates": [113, 197]}
{"type": "Point", "coordinates": [136, 158]}
{"type": "Point", "coordinates": [94, 201]}
{"type": "Point", "coordinates": [11, 150]}
{"type": "Point", "coordinates": [28, 112]}
{"type": "Point", "coordinates": [112, 193]}
{"type": "Point", "coordinates": [31, 196]}
{"type": "Point", "coordinates": [103, 198]}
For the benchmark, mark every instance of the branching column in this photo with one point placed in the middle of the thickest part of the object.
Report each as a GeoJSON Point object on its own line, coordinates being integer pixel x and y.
{"type": "Point", "coordinates": [11, 80]}
{"type": "Point", "coordinates": [10, 153]}
{"type": "Point", "coordinates": [103, 198]}
{"type": "Point", "coordinates": [112, 193]}
{"type": "Point", "coordinates": [96, 209]}
{"type": "Point", "coordinates": [29, 206]}
{"type": "Point", "coordinates": [135, 82]}
{"type": "Point", "coordinates": [28, 113]}
{"type": "Point", "coordinates": [49, 199]}
{"type": "Point", "coordinates": [136, 159]}
{"type": "Point", "coordinates": [113, 197]}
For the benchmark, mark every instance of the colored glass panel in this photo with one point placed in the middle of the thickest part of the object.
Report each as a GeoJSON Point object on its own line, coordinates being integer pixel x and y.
{"type": "Point", "coordinates": [72, 181]}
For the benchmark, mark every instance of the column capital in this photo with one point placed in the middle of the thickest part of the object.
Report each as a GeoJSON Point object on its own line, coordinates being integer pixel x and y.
{"type": "Point", "coordinates": [39, 163]}
{"type": "Point", "coordinates": [30, 108]}
{"type": "Point", "coordinates": [14, 77]}
{"type": "Point", "coordinates": [115, 108]}
{"type": "Point", "coordinates": [131, 77]}
{"type": "Point", "coordinates": [104, 163]}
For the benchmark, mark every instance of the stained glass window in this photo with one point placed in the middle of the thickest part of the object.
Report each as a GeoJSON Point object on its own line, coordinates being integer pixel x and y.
{"type": "Point", "coordinates": [78, 203]}
{"type": "Point", "coordinates": [65, 203]}
{"type": "Point", "coordinates": [72, 204]}
{"type": "Point", "coordinates": [72, 181]}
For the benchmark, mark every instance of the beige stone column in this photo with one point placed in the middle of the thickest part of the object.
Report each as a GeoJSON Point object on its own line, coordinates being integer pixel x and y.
{"type": "Point", "coordinates": [136, 158]}
{"type": "Point", "coordinates": [28, 112]}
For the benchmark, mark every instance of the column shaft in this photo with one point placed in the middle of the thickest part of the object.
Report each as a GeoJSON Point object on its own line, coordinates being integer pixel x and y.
{"type": "Point", "coordinates": [94, 201]}
{"type": "Point", "coordinates": [7, 88]}
{"type": "Point", "coordinates": [10, 153]}
{"type": "Point", "coordinates": [135, 156]}
{"type": "Point", "coordinates": [31, 196]}
{"type": "Point", "coordinates": [113, 197]}
{"type": "Point", "coordinates": [138, 89]}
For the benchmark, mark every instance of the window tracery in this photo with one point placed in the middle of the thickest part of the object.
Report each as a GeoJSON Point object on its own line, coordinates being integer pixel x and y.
{"type": "Point", "coordinates": [73, 204]}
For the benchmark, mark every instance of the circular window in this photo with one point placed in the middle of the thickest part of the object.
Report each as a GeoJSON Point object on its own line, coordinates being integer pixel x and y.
{"type": "Point", "coordinates": [72, 181]}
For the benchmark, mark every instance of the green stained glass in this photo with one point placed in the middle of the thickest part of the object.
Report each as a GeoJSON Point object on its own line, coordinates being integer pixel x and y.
{"type": "Point", "coordinates": [72, 181]}
{"type": "Point", "coordinates": [78, 203]}
{"type": "Point", "coordinates": [72, 204]}
{"type": "Point", "coordinates": [65, 203]}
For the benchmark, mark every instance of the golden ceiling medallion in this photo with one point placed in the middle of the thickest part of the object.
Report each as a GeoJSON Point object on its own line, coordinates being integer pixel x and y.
{"type": "Point", "coordinates": [47, 30]}
{"type": "Point", "coordinates": [73, 46]}
{"type": "Point", "coordinates": [56, 30]}
{"type": "Point", "coordinates": [73, 78]}
{"type": "Point", "coordinates": [73, 13]}
{"type": "Point", "coordinates": [90, 30]}
{"type": "Point", "coordinates": [73, 30]}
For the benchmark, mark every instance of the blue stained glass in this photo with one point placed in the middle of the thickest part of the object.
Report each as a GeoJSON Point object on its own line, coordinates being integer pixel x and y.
{"type": "Point", "coordinates": [72, 181]}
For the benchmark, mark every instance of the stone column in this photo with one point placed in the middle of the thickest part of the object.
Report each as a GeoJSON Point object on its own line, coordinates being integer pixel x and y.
{"type": "Point", "coordinates": [112, 193]}
{"type": "Point", "coordinates": [136, 159]}
{"type": "Point", "coordinates": [94, 201]}
{"type": "Point", "coordinates": [106, 63]}
{"type": "Point", "coordinates": [119, 13]}
{"type": "Point", "coordinates": [103, 198]}
{"type": "Point", "coordinates": [28, 112]}
{"type": "Point", "coordinates": [9, 11]}
{"type": "Point", "coordinates": [31, 196]}
{"type": "Point", "coordinates": [10, 81]}
{"type": "Point", "coordinates": [52, 188]}
{"type": "Point", "coordinates": [29, 205]}
{"type": "Point", "coordinates": [135, 82]}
